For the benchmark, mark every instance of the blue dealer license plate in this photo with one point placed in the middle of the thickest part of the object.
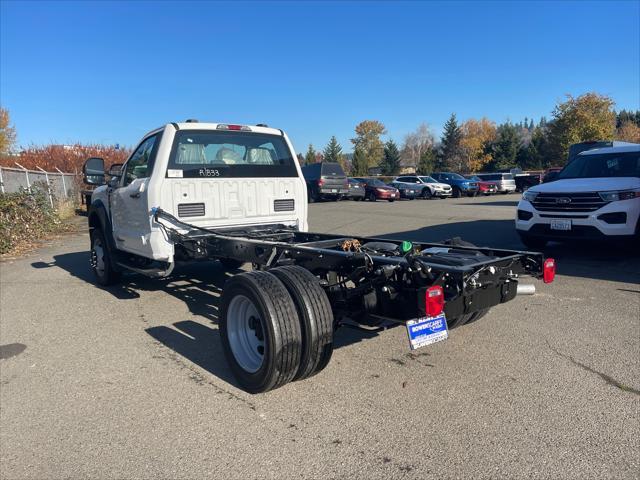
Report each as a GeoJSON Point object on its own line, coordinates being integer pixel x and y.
{"type": "Point", "coordinates": [427, 330]}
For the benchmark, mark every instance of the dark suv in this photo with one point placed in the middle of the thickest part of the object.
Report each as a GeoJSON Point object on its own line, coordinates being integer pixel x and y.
{"type": "Point", "coordinates": [459, 184]}
{"type": "Point", "coordinates": [325, 180]}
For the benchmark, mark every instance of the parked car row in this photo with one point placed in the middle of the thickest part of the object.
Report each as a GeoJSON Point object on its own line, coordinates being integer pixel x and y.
{"type": "Point", "coordinates": [328, 181]}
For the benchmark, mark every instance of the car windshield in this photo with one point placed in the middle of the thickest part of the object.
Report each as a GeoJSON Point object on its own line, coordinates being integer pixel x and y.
{"type": "Point", "coordinates": [625, 164]}
{"type": "Point", "coordinates": [455, 176]}
{"type": "Point", "coordinates": [426, 179]}
{"type": "Point", "coordinates": [473, 177]}
{"type": "Point", "coordinates": [206, 153]}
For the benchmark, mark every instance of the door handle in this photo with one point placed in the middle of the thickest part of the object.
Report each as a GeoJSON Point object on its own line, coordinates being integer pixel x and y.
{"type": "Point", "coordinates": [135, 195]}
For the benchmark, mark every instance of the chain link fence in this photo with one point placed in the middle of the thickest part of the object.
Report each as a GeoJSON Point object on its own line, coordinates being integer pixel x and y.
{"type": "Point", "coordinates": [59, 185]}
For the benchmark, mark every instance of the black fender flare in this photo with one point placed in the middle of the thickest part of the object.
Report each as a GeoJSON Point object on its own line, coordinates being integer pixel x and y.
{"type": "Point", "coordinates": [99, 218]}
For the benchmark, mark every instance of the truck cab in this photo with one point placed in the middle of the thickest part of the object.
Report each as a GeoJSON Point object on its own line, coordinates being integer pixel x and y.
{"type": "Point", "coordinates": [212, 175]}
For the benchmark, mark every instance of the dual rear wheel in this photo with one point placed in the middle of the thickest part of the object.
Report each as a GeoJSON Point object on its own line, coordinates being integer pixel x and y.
{"type": "Point", "coordinates": [276, 327]}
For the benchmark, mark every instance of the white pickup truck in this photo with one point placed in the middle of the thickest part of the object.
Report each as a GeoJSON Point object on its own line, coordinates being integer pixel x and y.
{"type": "Point", "coordinates": [235, 193]}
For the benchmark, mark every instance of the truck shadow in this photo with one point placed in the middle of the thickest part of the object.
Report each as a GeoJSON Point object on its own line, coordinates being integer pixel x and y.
{"type": "Point", "coordinates": [599, 261]}
{"type": "Point", "coordinates": [199, 286]}
{"type": "Point", "coordinates": [504, 203]}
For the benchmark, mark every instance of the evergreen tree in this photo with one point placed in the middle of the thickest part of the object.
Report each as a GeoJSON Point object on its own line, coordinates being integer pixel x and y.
{"type": "Point", "coordinates": [427, 162]}
{"type": "Point", "coordinates": [391, 160]}
{"type": "Point", "coordinates": [310, 157]}
{"type": "Point", "coordinates": [450, 144]}
{"type": "Point", "coordinates": [505, 147]}
{"type": "Point", "coordinates": [301, 159]}
{"type": "Point", "coordinates": [359, 165]}
{"type": "Point", "coordinates": [624, 116]}
{"type": "Point", "coordinates": [333, 151]}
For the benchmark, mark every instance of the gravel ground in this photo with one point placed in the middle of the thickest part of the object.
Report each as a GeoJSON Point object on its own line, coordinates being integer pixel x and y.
{"type": "Point", "coordinates": [130, 382]}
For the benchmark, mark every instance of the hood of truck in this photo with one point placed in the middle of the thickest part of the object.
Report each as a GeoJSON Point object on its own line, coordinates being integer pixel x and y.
{"type": "Point", "coordinates": [577, 185]}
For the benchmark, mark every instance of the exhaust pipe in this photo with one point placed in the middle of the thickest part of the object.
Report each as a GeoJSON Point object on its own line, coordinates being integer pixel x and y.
{"type": "Point", "coordinates": [526, 289]}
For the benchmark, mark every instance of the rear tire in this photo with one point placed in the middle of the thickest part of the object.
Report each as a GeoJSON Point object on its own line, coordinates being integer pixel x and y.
{"type": "Point", "coordinates": [390, 200]}
{"type": "Point", "coordinates": [260, 331]}
{"type": "Point", "coordinates": [316, 318]}
{"type": "Point", "coordinates": [102, 262]}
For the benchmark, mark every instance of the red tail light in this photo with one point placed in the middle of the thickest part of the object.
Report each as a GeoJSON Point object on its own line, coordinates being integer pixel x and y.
{"type": "Point", "coordinates": [434, 301]}
{"type": "Point", "coordinates": [549, 270]}
{"type": "Point", "coordinates": [320, 182]}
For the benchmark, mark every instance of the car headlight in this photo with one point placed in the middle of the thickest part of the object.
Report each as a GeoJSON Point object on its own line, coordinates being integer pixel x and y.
{"type": "Point", "coordinates": [529, 195]}
{"type": "Point", "coordinates": [619, 195]}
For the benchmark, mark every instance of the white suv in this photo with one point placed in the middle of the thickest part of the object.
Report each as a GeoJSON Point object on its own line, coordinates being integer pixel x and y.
{"type": "Point", "coordinates": [595, 196]}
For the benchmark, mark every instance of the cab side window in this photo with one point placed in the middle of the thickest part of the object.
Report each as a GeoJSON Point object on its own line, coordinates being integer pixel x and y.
{"type": "Point", "coordinates": [141, 162]}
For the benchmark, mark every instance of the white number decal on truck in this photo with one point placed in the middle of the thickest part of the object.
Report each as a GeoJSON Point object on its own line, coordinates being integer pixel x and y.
{"type": "Point", "coordinates": [209, 172]}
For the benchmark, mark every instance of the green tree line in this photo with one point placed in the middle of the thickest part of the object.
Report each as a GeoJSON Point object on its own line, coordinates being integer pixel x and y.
{"type": "Point", "coordinates": [482, 145]}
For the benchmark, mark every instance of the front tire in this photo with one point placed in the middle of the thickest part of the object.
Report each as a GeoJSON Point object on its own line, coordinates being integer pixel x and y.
{"type": "Point", "coordinates": [457, 193]}
{"type": "Point", "coordinates": [316, 318]}
{"type": "Point", "coordinates": [102, 262]}
{"type": "Point", "coordinates": [426, 193]}
{"type": "Point", "coordinates": [372, 197]}
{"type": "Point", "coordinates": [260, 331]}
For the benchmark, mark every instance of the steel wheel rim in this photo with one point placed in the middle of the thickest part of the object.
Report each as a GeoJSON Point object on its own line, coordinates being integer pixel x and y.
{"type": "Point", "coordinates": [98, 252]}
{"type": "Point", "coordinates": [246, 332]}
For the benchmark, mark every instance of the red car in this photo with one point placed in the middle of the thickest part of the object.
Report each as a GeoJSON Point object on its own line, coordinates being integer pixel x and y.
{"type": "Point", "coordinates": [378, 190]}
{"type": "Point", "coordinates": [484, 187]}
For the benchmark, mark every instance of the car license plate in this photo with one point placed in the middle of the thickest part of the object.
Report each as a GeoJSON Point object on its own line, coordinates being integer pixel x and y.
{"type": "Point", "coordinates": [427, 330]}
{"type": "Point", "coordinates": [557, 224]}
{"type": "Point", "coordinates": [334, 190]}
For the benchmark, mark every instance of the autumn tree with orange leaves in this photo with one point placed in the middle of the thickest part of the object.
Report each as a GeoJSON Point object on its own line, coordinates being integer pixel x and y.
{"type": "Point", "coordinates": [476, 136]}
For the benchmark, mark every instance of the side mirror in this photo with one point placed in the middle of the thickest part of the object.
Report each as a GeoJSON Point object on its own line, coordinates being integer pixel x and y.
{"type": "Point", "coordinates": [93, 171]}
{"type": "Point", "coordinates": [115, 170]}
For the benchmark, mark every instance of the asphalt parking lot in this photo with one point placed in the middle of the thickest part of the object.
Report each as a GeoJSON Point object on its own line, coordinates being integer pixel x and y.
{"type": "Point", "coordinates": [130, 382]}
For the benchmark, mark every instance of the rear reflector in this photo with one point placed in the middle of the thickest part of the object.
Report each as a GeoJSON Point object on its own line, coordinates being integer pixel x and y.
{"type": "Point", "coordinates": [549, 270]}
{"type": "Point", "coordinates": [434, 301]}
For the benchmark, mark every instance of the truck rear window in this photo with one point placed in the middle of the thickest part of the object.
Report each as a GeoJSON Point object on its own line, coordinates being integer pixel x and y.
{"type": "Point", "coordinates": [206, 153]}
{"type": "Point", "coordinates": [332, 169]}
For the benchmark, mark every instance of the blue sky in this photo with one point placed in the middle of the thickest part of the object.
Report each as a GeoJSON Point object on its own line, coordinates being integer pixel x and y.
{"type": "Point", "coordinates": [108, 72]}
